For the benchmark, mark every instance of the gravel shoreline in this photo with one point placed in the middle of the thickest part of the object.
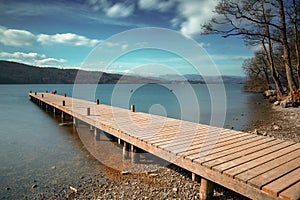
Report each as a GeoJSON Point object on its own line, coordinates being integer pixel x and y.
{"type": "Point", "coordinates": [283, 123]}
{"type": "Point", "coordinates": [168, 182]}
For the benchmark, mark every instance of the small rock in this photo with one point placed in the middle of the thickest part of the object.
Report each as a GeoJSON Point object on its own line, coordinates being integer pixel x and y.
{"type": "Point", "coordinates": [153, 175]}
{"type": "Point", "coordinates": [276, 127]}
{"type": "Point", "coordinates": [34, 186]}
{"type": "Point", "coordinates": [8, 188]}
{"type": "Point", "coordinates": [53, 167]}
{"type": "Point", "coordinates": [276, 103]}
{"type": "Point", "coordinates": [264, 134]}
{"type": "Point", "coordinates": [124, 172]}
{"type": "Point", "coordinates": [175, 189]}
{"type": "Point", "coordinates": [73, 189]}
{"type": "Point", "coordinates": [255, 132]}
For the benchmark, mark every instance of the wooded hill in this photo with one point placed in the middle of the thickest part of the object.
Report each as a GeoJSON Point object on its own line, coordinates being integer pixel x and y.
{"type": "Point", "coordinates": [17, 73]}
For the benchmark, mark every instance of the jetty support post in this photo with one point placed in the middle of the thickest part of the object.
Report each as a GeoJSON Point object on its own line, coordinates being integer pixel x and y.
{"type": "Point", "coordinates": [193, 176]}
{"type": "Point", "coordinates": [135, 156]}
{"type": "Point", "coordinates": [97, 101]}
{"type": "Point", "coordinates": [75, 122]}
{"type": "Point", "coordinates": [119, 141]}
{"type": "Point", "coordinates": [132, 108]}
{"type": "Point", "coordinates": [88, 111]}
{"type": "Point", "coordinates": [62, 115]}
{"type": "Point", "coordinates": [92, 128]}
{"type": "Point", "coordinates": [206, 189]}
{"type": "Point", "coordinates": [97, 134]}
{"type": "Point", "coordinates": [125, 151]}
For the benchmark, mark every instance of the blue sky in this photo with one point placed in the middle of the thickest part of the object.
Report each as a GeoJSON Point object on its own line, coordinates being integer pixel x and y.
{"type": "Point", "coordinates": [63, 33]}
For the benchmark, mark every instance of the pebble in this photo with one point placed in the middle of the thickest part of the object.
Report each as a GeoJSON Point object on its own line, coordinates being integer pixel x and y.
{"type": "Point", "coordinates": [34, 186]}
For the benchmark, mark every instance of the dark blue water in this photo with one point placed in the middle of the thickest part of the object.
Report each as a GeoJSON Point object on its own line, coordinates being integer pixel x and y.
{"type": "Point", "coordinates": [32, 142]}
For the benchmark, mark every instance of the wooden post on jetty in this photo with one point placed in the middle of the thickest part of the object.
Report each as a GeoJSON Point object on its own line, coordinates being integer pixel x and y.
{"type": "Point", "coordinates": [75, 122]}
{"type": "Point", "coordinates": [135, 156]}
{"type": "Point", "coordinates": [125, 151]}
{"type": "Point", "coordinates": [63, 102]}
{"type": "Point", "coordinates": [132, 108]}
{"type": "Point", "coordinates": [206, 189]}
{"type": "Point", "coordinates": [193, 176]}
{"type": "Point", "coordinates": [97, 134]}
{"type": "Point", "coordinates": [88, 111]}
{"type": "Point", "coordinates": [97, 101]}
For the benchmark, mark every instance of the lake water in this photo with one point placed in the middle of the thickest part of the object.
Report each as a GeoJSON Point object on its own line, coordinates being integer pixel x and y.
{"type": "Point", "coordinates": [35, 150]}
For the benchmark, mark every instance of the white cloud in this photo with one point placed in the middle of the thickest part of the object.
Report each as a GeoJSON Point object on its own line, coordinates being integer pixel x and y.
{"type": "Point", "coordinates": [117, 10]}
{"type": "Point", "coordinates": [156, 5]}
{"type": "Point", "coordinates": [14, 37]}
{"type": "Point", "coordinates": [124, 47]}
{"type": "Point", "coordinates": [203, 44]}
{"type": "Point", "coordinates": [21, 55]}
{"type": "Point", "coordinates": [67, 38]}
{"type": "Point", "coordinates": [120, 10]}
{"type": "Point", "coordinates": [194, 14]}
{"type": "Point", "coordinates": [50, 61]}
{"type": "Point", "coordinates": [31, 58]}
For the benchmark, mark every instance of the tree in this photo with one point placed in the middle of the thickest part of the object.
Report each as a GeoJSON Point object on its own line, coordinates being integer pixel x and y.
{"type": "Point", "coordinates": [258, 21]}
{"type": "Point", "coordinates": [286, 48]}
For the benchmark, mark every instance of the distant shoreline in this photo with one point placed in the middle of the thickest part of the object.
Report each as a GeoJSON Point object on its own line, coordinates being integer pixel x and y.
{"type": "Point", "coordinates": [18, 73]}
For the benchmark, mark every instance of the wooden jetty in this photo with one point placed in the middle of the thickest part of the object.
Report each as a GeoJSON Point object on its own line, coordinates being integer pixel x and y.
{"type": "Point", "coordinates": [255, 166]}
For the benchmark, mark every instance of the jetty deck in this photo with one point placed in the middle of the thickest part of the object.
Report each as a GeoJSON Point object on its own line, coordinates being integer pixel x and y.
{"type": "Point", "coordinates": [255, 166]}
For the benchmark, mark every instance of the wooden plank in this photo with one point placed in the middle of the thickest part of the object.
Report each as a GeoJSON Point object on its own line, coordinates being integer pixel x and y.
{"type": "Point", "coordinates": [236, 143]}
{"type": "Point", "coordinates": [275, 173]}
{"type": "Point", "coordinates": [211, 137]}
{"type": "Point", "coordinates": [292, 193]}
{"type": "Point", "coordinates": [208, 144]}
{"type": "Point", "coordinates": [217, 143]}
{"type": "Point", "coordinates": [239, 154]}
{"type": "Point", "coordinates": [283, 183]}
{"type": "Point", "coordinates": [251, 156]}
{"type": "Point", "coordinates": [261, 160]}
{"type": "Point", "coordinates": [254, 172]}
{"type": "Point", "coordinates": [177, 130]}
{"type": "Point", "coordinates": [199, 134]}
{"type": "Point", "coordinates": [178, 136]}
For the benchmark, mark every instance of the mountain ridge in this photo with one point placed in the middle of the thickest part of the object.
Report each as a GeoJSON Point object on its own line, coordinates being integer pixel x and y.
{"type": "Point", "coordinates": [19, 73]}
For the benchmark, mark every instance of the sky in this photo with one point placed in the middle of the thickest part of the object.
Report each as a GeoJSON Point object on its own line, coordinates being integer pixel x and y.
{"type": "Point", "coordinates": [67, 33]}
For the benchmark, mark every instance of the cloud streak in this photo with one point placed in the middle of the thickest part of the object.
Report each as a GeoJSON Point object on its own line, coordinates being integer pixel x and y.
{"type": "Point", "coordinates": [31, 58]}
{"type": "Point", "coordinates": [16, 37]}
{"type": "Point", "coordinates": [66, 38]}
